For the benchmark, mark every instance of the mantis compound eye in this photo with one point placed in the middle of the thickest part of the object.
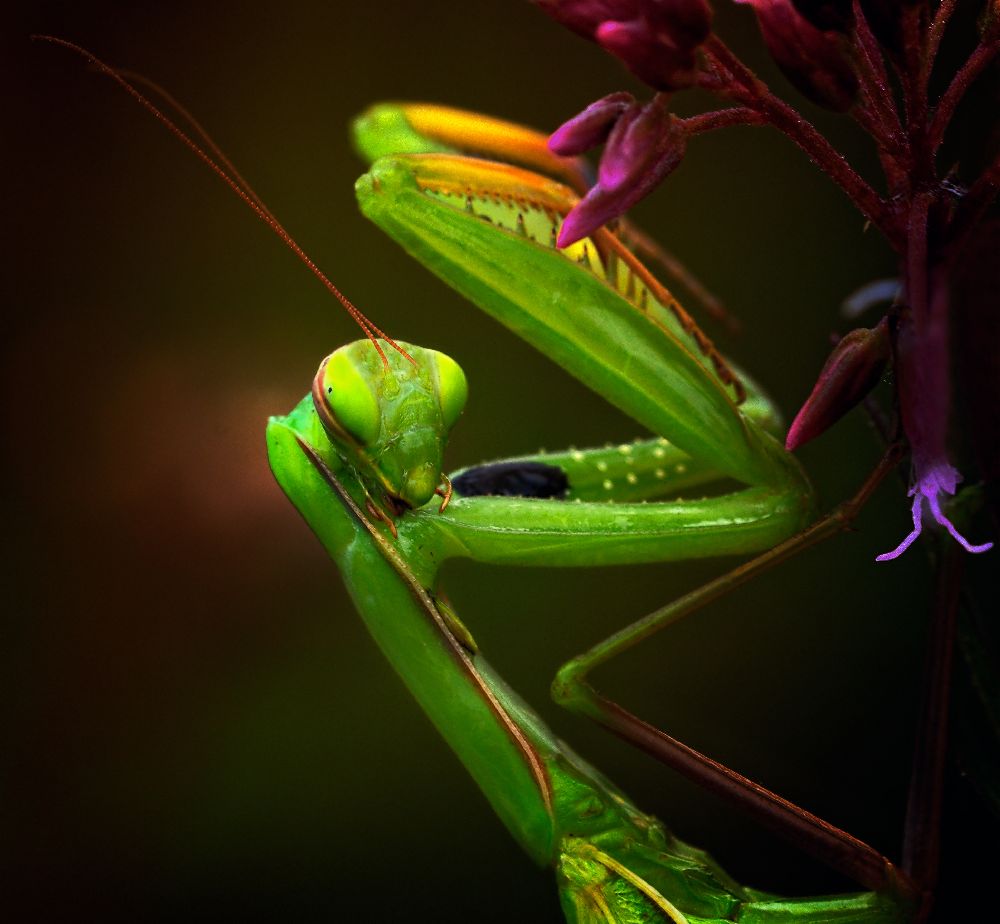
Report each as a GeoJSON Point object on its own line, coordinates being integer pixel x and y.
{"type": "Point", "coordinates": [348, 397]}
{"type": "Point", "coordinates": [453, 390]}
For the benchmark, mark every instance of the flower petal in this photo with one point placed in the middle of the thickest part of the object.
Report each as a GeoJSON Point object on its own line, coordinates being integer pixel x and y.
{"type": "Point", "coordinates": [938, 515]}
{"type": "Point", "coordinates": [939, 478]}
{"type": "Point", "coordinates": [813, 60]}
{"type": "Point", "coordinates": [645, 145]}
{"type": "Point", "coordinates": [911, 538]}
{"type": "Point", "coordinates": [591, 127]}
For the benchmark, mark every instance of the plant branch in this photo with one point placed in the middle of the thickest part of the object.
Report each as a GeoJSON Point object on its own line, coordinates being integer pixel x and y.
{"type": "Point", "coordinates": [936, 30]}
{"type": "Point", "coordinates": [749, 90]}
{"type": "Point", "coordinates": [922, 832]}
{"type": "Point", "coordinates": [875, 77]}
{"type": "Point", "coordinates": [830, 161]}
{"type": "Point", "coordinates": [978, 61]}
{"type": "Point", "coordinates": [913, 77]}
{"type": "Point", "coordinates": [721, 118]}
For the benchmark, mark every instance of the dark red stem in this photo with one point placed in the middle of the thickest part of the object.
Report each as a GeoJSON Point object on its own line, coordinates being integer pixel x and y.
{"type": "Point", "coordinates": [978, 61]}
{"type": "Point", "coordinates": [875, 78]}
{"type": "Point", "coordinates": [936, 30]}
{"type": "Point", "coordinates": [922, 833]}
{"type": "Point", "coordinates": [914, 80]}
{"type": "Point", "coordinates": [747, 89]}
{"type": "Point", "coordinates": [721, 118]}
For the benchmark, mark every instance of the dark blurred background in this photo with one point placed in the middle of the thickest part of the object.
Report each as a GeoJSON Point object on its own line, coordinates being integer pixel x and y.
{"type": "Point", "coordinates": [194, 714]}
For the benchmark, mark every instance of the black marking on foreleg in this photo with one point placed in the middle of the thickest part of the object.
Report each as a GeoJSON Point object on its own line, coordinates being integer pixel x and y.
{"type": "Point", "coordinates": [512, 479]}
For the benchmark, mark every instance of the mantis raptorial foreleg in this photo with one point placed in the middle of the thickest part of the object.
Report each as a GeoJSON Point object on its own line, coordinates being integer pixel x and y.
{"type": "Point", "coordinates": [426, 128]}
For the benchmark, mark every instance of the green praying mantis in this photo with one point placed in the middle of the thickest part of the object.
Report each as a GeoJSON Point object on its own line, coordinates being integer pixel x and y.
{"type": "Point", "coordinates": [361, 458]}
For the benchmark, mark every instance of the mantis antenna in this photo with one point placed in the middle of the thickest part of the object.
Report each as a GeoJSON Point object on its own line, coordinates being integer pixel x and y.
{"type": "Point", "coordinates": [237, 184]}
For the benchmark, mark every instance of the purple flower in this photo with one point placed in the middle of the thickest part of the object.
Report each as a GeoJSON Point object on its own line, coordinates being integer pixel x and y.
{"type": "Point", "coordinates": [645, 144]}
{"type": "Point", "coordinates": [809, 57]}
{"type": "Point", "coordinates": [923, 370]}
{"type": "Point", "coordinates": [939, 479]}
{"type": "Point", "coordinates": [655, 39]}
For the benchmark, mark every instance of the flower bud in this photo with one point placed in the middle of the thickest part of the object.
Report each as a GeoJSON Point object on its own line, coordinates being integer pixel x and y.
{"type": "Point", "coordinates": [645, 145]}
{"type": "Point", "coordinates": [850, 372]}
{"type": "Point", "coordinates": [657, 39]}
{"type": "Point", "coordinates": [643, 51]}
{"type": "Point", "coordinates": [811, 59]}
{"type": "Point", "coordinates": [584, 16]}
{"type": "Point", "coordinates": [591, 127]}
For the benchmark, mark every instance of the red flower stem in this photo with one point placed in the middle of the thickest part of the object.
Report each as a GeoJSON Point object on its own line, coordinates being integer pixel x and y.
{"type": "Point", "coordinates": [748, 89]}
{"type": "Point", "coordinates": [936, 30]}
{"type": "Point", "coordinates": [914, 80]}
{"type": "Point", "coordinates": [875, 77]}
{"type": "Point", "coordinates": [978, 61]}
{"type": "Point", "coordinates": [830, 161]}
{"type": "Point", "coordinates": [922, 830]}
{"type": "Point", "coordinates": [724, 58]}
{"type": "Point", "coordinates": [721, 118]}
{"type": "Point", "coordinates": [892, 158]}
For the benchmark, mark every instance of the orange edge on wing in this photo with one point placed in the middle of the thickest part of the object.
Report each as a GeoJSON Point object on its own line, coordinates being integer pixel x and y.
{"type": "Point", "coordinates": [463, 176]}
{"type": "Point", "coordinates": [489, 137]}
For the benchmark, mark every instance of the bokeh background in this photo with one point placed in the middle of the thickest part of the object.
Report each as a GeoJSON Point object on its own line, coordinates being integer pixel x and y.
{"type": "Point", "coordinates": [194, 717]}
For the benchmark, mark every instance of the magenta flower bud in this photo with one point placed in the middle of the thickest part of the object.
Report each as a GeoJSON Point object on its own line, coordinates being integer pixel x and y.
{"type": "Point", "coordinates": [646, 54]}
{"type": "Point", "coordinates": [687, 22]}
{"type": "Point", "coordinates": [584, 16]}
{"type": "Point", "coordinates": [591, 127]}
{"type": "Point", "coordinates": [644, 146]}
{"type": "Point", "coordinates": [655, 39]}
{"type": "Point", "coordinates": [811, 59]}
{"type": "Point", "coordinates": [850, 372]}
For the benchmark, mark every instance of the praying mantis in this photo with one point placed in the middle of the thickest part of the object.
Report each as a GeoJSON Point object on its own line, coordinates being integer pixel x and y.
{"type": "Point", "coordinates": [477, 384]}
{"type": "Point", "coordinates": [361, 459]}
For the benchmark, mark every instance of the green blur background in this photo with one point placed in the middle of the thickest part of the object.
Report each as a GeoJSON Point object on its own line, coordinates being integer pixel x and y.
{"type": "Point", "coordinates": [196, 717]}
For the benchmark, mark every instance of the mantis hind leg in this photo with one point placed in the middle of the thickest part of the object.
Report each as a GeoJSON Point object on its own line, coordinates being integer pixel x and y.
{"type": "Point", "coordinates": [826, 842]}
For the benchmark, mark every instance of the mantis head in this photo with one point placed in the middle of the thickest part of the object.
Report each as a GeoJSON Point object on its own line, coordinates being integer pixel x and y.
{"type": "Point", "coordinates": [389, 416]}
